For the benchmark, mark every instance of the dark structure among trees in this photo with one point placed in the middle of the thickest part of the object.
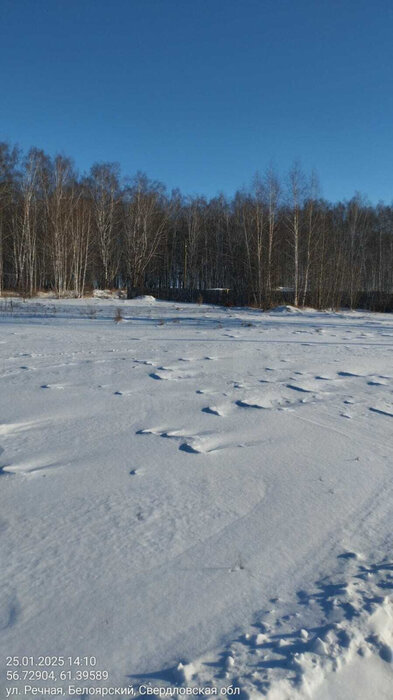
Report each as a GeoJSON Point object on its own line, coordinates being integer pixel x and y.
{"type": "Point", "coordinates": [278, 242]}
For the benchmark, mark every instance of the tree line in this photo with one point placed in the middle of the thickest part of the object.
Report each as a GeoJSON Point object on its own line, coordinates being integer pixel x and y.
{"type": "Point", "coordinates": [69, 233]}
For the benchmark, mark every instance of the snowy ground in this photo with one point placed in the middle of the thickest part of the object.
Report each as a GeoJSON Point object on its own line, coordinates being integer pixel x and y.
{"type": "Point", "coordinates": [198, 497]}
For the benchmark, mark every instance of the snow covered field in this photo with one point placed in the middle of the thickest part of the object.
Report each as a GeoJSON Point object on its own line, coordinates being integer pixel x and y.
{"type": "Point", "coordinates": [198, 496]}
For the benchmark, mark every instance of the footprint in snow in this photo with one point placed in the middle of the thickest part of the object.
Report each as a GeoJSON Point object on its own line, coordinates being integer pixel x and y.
{"type": "Point", "coordinates": [345, 602]}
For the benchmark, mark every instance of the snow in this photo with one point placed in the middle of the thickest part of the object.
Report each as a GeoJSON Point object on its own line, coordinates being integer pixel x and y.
{"type": "Point", "coordinates": [286, 309]}
{"type": "Point", "coordinates": [198, 496]}
{"type": "Point", "coordinates": [145, 299]}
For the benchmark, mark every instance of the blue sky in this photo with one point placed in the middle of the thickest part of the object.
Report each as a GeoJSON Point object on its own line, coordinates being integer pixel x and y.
{"type": "Point", "coordinates": [200, 94]}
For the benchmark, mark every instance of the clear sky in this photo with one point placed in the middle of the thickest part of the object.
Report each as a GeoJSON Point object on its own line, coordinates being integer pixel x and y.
{"type": "Point", "coordinates": [202, 93]}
